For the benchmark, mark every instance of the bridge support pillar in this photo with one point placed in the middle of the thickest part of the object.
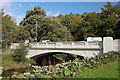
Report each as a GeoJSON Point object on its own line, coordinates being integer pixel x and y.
{"type": "Point", "coordinates": [107, 44]}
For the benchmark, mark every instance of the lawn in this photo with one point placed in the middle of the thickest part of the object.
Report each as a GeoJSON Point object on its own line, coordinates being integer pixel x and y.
{"type": "Point", "coordinates": [108, 71]}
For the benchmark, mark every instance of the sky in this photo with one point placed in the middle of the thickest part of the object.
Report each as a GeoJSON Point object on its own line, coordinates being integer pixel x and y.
{"type": "Point", "coordinates": [18, 9]}
{"type": "Point", "coordinates": [59, 0]}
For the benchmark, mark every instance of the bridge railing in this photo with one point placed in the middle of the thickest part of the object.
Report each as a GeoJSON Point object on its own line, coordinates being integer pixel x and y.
{"type": "Point", "coordinates": [77, 44]}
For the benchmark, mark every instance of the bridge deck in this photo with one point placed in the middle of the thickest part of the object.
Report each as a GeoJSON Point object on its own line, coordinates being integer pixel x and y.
{"type": "Point", "coordinates": [67, 45]}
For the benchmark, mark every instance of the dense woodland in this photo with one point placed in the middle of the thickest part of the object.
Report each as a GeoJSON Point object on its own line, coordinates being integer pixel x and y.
{"type": "Point", "coordinates": [69, 27]}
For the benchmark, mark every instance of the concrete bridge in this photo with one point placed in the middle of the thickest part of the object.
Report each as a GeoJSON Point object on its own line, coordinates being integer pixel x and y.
{"type": "Point", "coordinates": [82, 48]}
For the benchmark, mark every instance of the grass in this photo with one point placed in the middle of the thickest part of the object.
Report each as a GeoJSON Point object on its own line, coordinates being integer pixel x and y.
{"type": "Point", "coordinates": [9, 63]}
{"type": "Point", "coordinates": [107, 71]}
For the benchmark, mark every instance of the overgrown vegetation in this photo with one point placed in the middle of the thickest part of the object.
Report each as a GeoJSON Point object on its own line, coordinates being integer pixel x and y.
{"type": "Point", "coordinates": [17, 58]}
{"type": "Point", "coordinates": [71, 68]}
{"type": "Point", "coordinates": [20, 53]}
{"type": "Point", "coordinates": [9, 63]}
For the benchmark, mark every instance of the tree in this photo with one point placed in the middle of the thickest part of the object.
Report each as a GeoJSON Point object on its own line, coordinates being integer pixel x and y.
{"type": "Point", "coordinates": [117, 31]}
{"type": "Point", "coordinates": [110, 9]}
{"type": "Point", "coordinates": [101, 24]}
{"type": "Point", "coordinates": [22, 34]}
{"type": "Point", "coordinates": [71, 21]}
{"type": "Point", "coordinates": [47, 27]}
{"type": "Point", "coordinates": [89, 24]}
{"type": "Point", "coordinates": [9, 28]}
{"type": "Point", "coordinates": [37, 11]}
{"type": "Point", "coordinates": [109, 20]}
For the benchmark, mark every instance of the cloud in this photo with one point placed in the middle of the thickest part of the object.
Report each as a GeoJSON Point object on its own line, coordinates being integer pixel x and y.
{"type": "Point", "coordinates": [50, 13]}
{"type": "Point", "coordinates": [7, 7]}
{"type": "Point", "coordinates": [56, 14]}
{"type": "Point", "coordinates": [18, 18]}
{"type": "Point", "coordinates": [11, 9]}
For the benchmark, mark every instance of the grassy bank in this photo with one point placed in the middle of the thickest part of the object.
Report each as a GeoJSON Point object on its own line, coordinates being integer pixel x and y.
{"type": "Point", "coordinates": [105, 71]}
{"type": "Point", "coordinates": [9, 63]}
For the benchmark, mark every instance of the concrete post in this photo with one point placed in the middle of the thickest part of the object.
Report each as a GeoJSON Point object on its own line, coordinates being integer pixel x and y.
{"type": "Point", "coordinates": [107, 44]}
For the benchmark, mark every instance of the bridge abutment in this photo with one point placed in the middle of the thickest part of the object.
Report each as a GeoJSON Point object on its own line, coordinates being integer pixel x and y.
{"type": "Point", "coordinates": [107, 44]}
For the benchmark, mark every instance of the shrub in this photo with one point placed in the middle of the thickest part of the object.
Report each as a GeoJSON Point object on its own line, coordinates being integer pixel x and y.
{"type": "Point", "coordinates": [20, 53]}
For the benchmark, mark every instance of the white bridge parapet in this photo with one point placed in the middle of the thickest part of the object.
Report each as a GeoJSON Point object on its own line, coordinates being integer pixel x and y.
{"type": "Point", "coordinates": [83, 48]}
{"type": "Point", "coordinates": [71, 45]}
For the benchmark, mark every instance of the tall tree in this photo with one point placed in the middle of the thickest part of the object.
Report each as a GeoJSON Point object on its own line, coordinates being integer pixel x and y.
{"type": "Point", "coordinates": [9, 28]}
{"type": "Point", "coordinates": [47, 27]}
{"type": "Point", "coordinates": [109, 19]}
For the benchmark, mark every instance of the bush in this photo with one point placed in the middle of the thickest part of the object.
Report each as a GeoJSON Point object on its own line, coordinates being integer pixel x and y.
{"type": "Point", "coordinates": [20, 53]}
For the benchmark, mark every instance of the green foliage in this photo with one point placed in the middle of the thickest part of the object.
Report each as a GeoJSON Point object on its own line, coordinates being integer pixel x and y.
{"type": "Point", "coordinates": [74, 68]}
{"type": "Point", "coordinates": [110, 9]}
{"type": "Point", "coordinates": [22, 34]}
{"type": "Point", "coordinates": [27, 74]}
{"type": "Point", "coordinates": [108, 20]}
{"type": "Point", "coordinates": [109, 71]}
{"type": "Point", "coordinates": [93, 24]}
{"type": "Point", "coordinates": [66, 72]}
{"type": "Point", "coordinates": [64, 57]}
{"type": "Point", "coordinates": [11, 32]}
{"type": "Point", "coordinates": [72, 22]}
{"type": "Point", "coordinates": [39, 75]}
{"type": "Point", "coordinates": [48, 28]}
{"type": "Point", "coordinates": [36, 11]}
{"type": "Point", "coordinates": [61, 28]}
{"type": "Point", "coordinates": [61, 57]}
{"type": "Point", "coordinates": [117, 31]}
{"type": "Point", "coordinates": [9, 28]}
{"type": "Point", "coordinates": [9, 63]}
{"type": "Point", "coordinates": [19, 54]}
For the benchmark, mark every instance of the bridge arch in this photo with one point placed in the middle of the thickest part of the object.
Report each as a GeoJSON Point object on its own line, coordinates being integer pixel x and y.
{"type": "Point", "coordinates": [39, 53]}
{"type": "Point", "coordinates": [43, 59]}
